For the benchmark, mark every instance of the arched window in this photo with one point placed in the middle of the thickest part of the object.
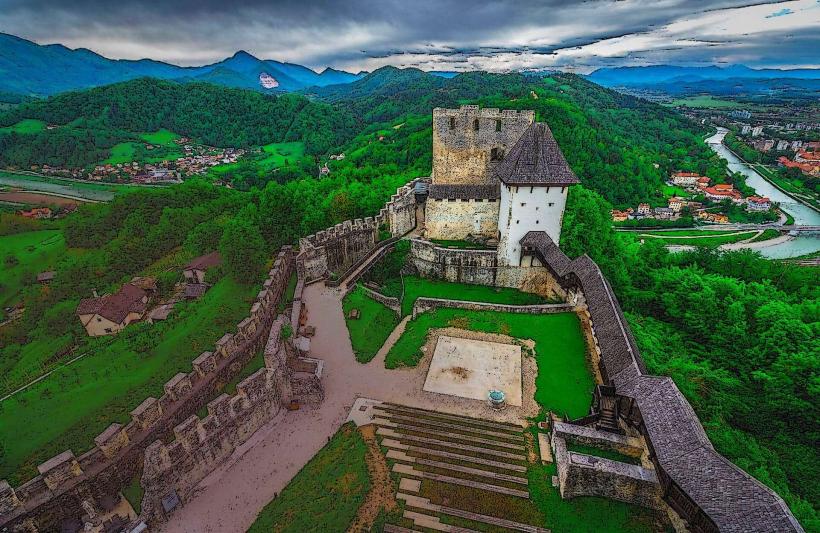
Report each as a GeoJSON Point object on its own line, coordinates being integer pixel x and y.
{"type": "Point", "coordinates": [475, 124]}
{"type": "Point", "coordinates": [498, 125]}
{"type": "Point", "coordinates": [452, 123]}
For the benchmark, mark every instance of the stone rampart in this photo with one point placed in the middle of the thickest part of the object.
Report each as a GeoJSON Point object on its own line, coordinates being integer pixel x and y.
{"type": "Point", "coordinates": [480, 267]}
{"type": "Point", "coordinates": [67, 487]}
{"type": "Point", "coordinates": [390, 302]}
{"type": "Point", "coordinates": [424, 304]}
{"type": "Point", "coordinates": [172, 470]}
{"type": "Point", "coordinates": [335, 249]}
{"type": "Point", "coordinates": [704, 488]}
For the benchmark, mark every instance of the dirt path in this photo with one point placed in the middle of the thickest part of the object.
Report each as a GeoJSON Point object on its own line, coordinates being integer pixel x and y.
{"type": "Point", "coordinates": [381, 495]}
{"type": "Point", "coordinates": [378, 360]}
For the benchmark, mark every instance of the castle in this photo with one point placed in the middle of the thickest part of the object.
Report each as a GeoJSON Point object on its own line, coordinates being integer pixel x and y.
{"type": "Point", "coordinates": [497, 175]}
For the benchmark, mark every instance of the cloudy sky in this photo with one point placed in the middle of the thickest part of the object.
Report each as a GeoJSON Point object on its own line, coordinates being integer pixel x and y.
{"type": "Point", "coordinates": [431, 34]}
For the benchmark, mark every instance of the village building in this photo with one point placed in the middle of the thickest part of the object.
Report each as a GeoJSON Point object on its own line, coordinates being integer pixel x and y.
{"type": "Point", "coordinates": [714, 218]}
{"type": "Point", "coordinates": [665, 213]}
{"type": "Point", "coordinates": [685, 179]}
{"type": "Point", "coordinates": [758, 203]}
{"type": "Point", "coordinates": [109, 314]}
{"type": "Point", "coordinates": [644, 209]}
{"type": "Point", "coordinates": [619, 216]}
{"type": "Point", "coordinates": [723, 191]}
{"type": "Point", "coordinates": [676, 203]}
{"type": "Point", "coordinates": [37, 212]}
{"type": "Point", "coordinates": [45, 277]}
{"type": "Point", "coordinates": [197, 268]}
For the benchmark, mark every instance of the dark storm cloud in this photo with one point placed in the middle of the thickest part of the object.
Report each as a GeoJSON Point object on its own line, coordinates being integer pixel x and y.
{"type": "Point", "coordinates": [497, 35]}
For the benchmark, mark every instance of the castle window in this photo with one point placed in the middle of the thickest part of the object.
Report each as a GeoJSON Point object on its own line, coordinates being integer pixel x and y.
{"type": "Point", "coordinates": [562, 190]}
{"type": "Point", "coordinates": [531, 190]}
{"type": "Point", "coordinates": [517, 221]}
{"type": "Point", "coordinates": [452, 123]}
{"type": "Point", "coordinates": [523, 204]}
{"type": "Point", "coordinates": [536, 222]}
{"type": "Point", "coordinates": [497, 125]}
{"type": "Point", "coordinates": [496, 154]}
{"type": "Point", "coordinates": [536, 208]}
{"type": "Point", "coordinates": [551, 204]}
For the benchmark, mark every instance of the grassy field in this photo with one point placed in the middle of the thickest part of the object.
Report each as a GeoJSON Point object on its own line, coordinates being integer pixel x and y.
{"type": "Point", "coordinates": [28, 125]}
{"type": "Point", "coordinates": [371, 329]}
{"type": "Point", "coordinates": [23, 256]}
{"type": "Point", "coordinates": [794, 186]}
{"type": "Point", "coordinates": [706, 101]}
{"type": "Point", "coordinates": [76, 403]}
{"type": "Point", "coordinates": [669, 191]}
{"type": "Point", "coordinates": [414, 287]}
{"type": "Point", "coordinates": [564, 383]}
{"type": "Point", "coordinates": [326, 494]}
{"type": "Point", "coordinates": [712, 240]}
{"type": "Point", "coordinates": [278, 153]}
{"type": "Point", "coordinates": [101, 192]}
{"type": "Point", "coordinates": [128, 152]}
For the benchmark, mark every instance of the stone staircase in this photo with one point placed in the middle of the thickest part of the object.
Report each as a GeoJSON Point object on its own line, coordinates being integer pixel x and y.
{"type": "Point", "coordinates": [485, 458]}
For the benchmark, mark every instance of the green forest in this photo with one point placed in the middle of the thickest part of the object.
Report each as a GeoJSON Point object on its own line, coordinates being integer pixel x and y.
{"type": "Point", "coordinates": [737, 333]}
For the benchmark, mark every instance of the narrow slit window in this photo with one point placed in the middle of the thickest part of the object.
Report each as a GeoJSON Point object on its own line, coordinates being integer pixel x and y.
{"type": "Point", "coordinates": [452, 123]}
{"type": "Point", "coordinates": [497, 125]}
{"type": "Point", "coordinates": [475, 124]}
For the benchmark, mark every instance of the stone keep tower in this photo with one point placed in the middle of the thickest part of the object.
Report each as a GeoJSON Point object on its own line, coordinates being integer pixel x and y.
{"type": "Point", "coordinates": [469, 142]}
{"type": "Point", "coordinates": [535, 179]}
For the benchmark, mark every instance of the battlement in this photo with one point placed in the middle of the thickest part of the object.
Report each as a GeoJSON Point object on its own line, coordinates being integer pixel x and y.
{"type": "Point", "coordinates": [474, 111]}
{"type": "Point", "coordinates": [184, 393]}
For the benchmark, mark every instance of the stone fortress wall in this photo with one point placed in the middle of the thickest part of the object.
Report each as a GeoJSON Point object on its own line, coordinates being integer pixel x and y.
{"type": "Point", "coordinates": [705, 489]}
{"type": "Point", "coordinates": [70, 487]}
{"type": "Point", "coordinates": [172, 470]}
{"type": "Point", "coordinates": [335, 249]}
{"type": "Point", "coordinates": [464, 140]}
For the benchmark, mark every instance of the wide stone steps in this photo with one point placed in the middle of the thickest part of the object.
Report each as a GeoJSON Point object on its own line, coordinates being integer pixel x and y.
{"type": "Point", "coordinates": [432, 522]}
{"type": "Point", "coordinates": [465, 458]}
{"type": "Point", "coordinates": [410, 471]}
{"type": "Point", "coordinates": [391, 528]}
{"type": "Point", "coordinates": [403, 457]}
{"type": "Point", "coordinates": [460, 428]}
{"type": "Point", "coordinates": [401, 437]}
{"type": "Point", "coordinates": [417, 502]}
{"type": "Point", "coordinates": [402, 427]}
{"type": "Point", "coordinates": [399, 409]}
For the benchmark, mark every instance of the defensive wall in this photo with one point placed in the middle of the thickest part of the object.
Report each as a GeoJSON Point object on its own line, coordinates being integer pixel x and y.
{"type": "Point", "coordinates": [481, 267]}
{"type": "Point", "coordinates": [335, 249]}
{"type": "Point", "coordinates": [424, 304]}
{"type": "Point", "coordinates": [70, 487]}
{"type": "Point", "coordinates": [172, 470]}
{"type": "Point", "coordinates": [708, 491]}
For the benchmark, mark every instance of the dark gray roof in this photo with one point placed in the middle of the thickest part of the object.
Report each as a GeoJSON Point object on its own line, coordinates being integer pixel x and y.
{"type": "Point", "coordinates": [730, 497]}
{"type": "Point", "coordinates": [535, 159]}
{"type": "Point", "coordinates": [465, 192]}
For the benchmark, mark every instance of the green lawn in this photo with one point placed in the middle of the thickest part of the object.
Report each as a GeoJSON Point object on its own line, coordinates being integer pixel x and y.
{"type": "Point", "coordinates": [414, 287]}
{"type": "Point", "coordinates": [564, 383]}
{"type": "Point", "coordinates": [326, 494]}
{"type": "Point", "coordinates": [673, 190]}
{"type": "Point", "coordinates": [458, 244]}
{"type": "Point", "coordinates": [163, 141]}
{"type": "Point", "coordinates": [76, 403]}
{"type": "Point", "coordinates": [22, 257]}
{"type": "Point", "coordinates": [371, 329]}
{"type": "Point", "coordinates": [27, 125]}
{"type": "Point", "coordinates": [121, 153]}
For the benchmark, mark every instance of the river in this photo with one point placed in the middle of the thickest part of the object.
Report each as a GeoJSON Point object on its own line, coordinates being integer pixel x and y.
{"type": "Point", "coordinates": [803, 215]}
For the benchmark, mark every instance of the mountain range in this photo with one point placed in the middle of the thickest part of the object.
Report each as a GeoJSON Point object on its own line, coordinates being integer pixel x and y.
{"type": "Point", "coordinates": [671, 74]}
{"type": "Point", "coordinates": [27, 68]}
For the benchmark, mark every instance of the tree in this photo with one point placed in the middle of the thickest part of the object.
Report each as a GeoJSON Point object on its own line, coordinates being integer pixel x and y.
{"type": "Point", "coordinates": [242, 250]}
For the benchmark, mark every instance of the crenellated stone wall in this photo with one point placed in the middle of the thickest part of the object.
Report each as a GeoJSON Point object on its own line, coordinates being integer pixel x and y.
{"type": "Point", "coordinates": [335, 249]}
{"type": "Point", "coordinates": [69, 487]}
{"type": "Point", "coordinates": [172, 470]}
{"type": "Point", "coordinates": [424, 304]}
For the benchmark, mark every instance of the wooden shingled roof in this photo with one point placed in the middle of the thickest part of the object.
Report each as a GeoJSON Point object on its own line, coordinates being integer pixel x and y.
{"type": "Point", "coordinates": [535, 159]}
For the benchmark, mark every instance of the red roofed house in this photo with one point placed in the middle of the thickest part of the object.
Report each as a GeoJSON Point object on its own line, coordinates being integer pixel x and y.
{"type": "Point", "coordinates": [194, 271]}
{"type": "Point", "coordinates": [802, 156]}
{"type": "Point", "coordinates": [722, 191]}
{"type": "Point", "coordinates": [703, 182]}
{"type": "Point", "coordinates": [758, 203]}
{"type": "Point", "coordinates": [37, 212]}
{"type": "Point", "coordinates": [111, 313]}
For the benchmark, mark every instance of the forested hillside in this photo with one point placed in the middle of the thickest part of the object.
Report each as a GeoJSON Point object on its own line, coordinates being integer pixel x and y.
{"type": "Point", "coordinates": [93, 121]}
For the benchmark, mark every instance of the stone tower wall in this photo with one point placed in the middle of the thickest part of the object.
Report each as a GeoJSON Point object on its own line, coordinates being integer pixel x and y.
{"type": "Point", "coordinates": [461, 153]}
